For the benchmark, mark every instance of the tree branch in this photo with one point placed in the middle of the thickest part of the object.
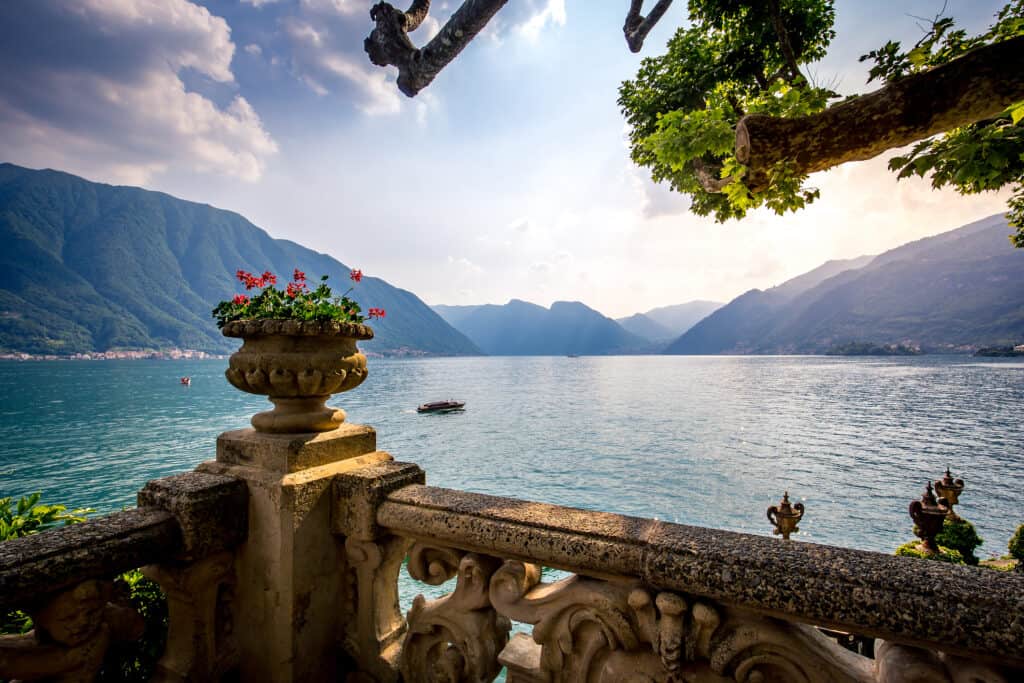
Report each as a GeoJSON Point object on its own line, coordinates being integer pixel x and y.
{"type": "Point", "coordinates": [389, 44]}
{"type": "Point", "coordinates": [711, 182]}
{"type": "Point", "coordinates": [979, 85]}
{"type": "Point", "coordinates": [637, 27]}
{"type": "Point", "coordinates": [783, 35]}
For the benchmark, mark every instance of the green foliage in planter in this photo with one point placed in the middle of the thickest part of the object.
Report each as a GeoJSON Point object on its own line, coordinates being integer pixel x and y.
{"type": "Point", "coordinates": [959, 534]}
{"type": "Point", "coordinates": [1016, 547]}
{"type": "Point", "coordinates": [912, 549]}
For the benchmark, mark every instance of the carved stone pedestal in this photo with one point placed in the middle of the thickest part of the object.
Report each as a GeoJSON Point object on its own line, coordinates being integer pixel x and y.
{"type": "Point", "coordinates": [289, 587]}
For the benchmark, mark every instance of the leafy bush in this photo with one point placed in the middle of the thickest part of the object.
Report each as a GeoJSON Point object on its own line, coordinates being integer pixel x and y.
{"type": "Point", "coordinates": [136, 660]}
{"type": "Point", "coordinates": [913, 549]}
{"type": "Point", "coordinates": [23, 518]}
{"type": "Point", "coordinates": [28, 516]}
{"type": "Point", "coordinates": [1016, 547]}
{"type": "Point", "coordinates": [132, 661]}
{"type": "Point", "coordinates": [959, 534]}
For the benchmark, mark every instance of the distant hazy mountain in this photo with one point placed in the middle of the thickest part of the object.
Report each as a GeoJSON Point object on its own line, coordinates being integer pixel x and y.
{"type": "Point", "coordinates": [960, 289]}
{"type": "Point", "coordinates": [93, 267]}
{"type": "Point", "coordinates": [520, 328]}
{"type": "Point", "coordinates": [675, 319]}
{"type": "Point", "coordinates": [644, 326]}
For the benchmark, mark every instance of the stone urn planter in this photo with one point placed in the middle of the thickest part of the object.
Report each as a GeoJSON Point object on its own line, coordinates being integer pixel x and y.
{"type": "Point", "coordinates": [298, 365]}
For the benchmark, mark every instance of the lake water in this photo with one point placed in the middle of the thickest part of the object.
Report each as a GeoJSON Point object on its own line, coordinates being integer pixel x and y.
{"type": "Point", "coordinates": [710, 441]}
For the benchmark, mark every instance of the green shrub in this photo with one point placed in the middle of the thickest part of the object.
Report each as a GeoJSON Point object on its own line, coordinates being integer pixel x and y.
{"type": "Point", "coordinates": [959, 534]}
{"type": "Point", "coordinates": [1016, 547]}
{"type": "Point", "coordinates": [29, 517]}
{"type": "Point", "coordinates": [24, 518]}
{"type": "Point", "coordinates": [132, 661]}
{"type": "Point", "coordinates": [136, 660]}
{"type": "Point", "coordinates": [912, 549]}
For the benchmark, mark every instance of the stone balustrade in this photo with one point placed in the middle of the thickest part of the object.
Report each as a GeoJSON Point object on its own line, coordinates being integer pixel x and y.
{"type": "Point", "coordinates": [654, 601]}
{"type": "Point", "coordinates": [182, 534]}
{"type": "Point", "coordinates": [281, 562]}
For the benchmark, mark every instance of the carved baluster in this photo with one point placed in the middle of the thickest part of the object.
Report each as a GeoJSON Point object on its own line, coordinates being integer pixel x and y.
{"type": "Point", "coordinates": [199, 634]}
{"type": "Point", "coordinates": [375, 635]}
{"type": "Point", "coordinates": [586, 628]}
{"type": "Point", "coordinates": [458, 637]}
{"type": "Point", "coordinates": [72, 633]}
{"type": "Point", "coordinates": [374, 622]}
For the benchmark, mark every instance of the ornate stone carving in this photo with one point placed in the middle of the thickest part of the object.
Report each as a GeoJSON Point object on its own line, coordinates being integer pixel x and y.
{"type": "Point", "coordinates": [577, 621]}
{"type": "Point", "coordinates": [456, 638]}
{"type": "Point", "coordinates": [72, 633]}
{"type": "Point", "coordinates": [200, 645]}
{"type": "Point", "coordinates": [298, 365]}
{"type": "Point", "coordinates": [785, 517]}
{"type": "Point", "coordinates": [433, 565]}
{"type": "Point", "coordinates": [950, 489]}
{"type": "Point", "coordinates": [904, 664]}
{"type": "Point", "coordinates": [928, 515]}
{"type": "Point", "coordinates": [375, 636]}
{"type": "Point", "coordinates": [598, 631]}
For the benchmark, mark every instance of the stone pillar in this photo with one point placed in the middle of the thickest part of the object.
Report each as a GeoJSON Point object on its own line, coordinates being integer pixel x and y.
{"type": "Point", "coordinates": [291, 571]}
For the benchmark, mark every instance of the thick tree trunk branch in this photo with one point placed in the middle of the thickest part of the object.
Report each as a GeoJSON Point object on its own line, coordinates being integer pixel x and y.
{"type": "Point", "coordinates": [389, 44]}
{"type": "Point", "coordinates": [637, 27]}
{"type": "Point", "coordinates": [977, 86]}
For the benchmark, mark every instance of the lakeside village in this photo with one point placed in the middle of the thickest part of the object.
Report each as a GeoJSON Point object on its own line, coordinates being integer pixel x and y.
{"type": "Point", "coordinates": [126, 354]}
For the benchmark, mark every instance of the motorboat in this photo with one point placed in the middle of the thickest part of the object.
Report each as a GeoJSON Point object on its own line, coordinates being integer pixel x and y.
{"type": "Point", "coordinates": [441, 406]}
{"type": "Point", "coordinates": [186, 381]}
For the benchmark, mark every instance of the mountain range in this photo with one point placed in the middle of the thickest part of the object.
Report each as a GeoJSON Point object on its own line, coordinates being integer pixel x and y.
{"type": "Point", "coordinates": [952, 292]}
{"type": "Point", "coordinates": [93, 267]}
{"type": "Point", "coordinates": [668, 322]}
{"type": "Point", "coordinates": [520, 328]}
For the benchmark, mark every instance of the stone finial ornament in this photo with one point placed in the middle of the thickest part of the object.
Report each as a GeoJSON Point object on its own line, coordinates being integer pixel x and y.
{"type": "Point", "coordinates": [785, 516]}
{"type": "Point", "coordinates": [950, 489]}
{"type": "Point", "coordinates": [928, 515]}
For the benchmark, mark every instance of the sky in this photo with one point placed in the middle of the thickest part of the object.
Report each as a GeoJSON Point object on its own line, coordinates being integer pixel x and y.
{"type": "Point", "coordinates": [508, 177]}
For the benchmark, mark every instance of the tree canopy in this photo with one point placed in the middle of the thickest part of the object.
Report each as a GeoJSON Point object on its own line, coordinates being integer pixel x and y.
{"type": "Point", "coordinates": [729, 117]}
{"type": "Point", "coordinates": [697, 113]}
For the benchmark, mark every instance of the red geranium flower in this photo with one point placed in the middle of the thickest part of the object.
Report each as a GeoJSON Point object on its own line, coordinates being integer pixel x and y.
{"type": "Point", "coordinates": [268, 278]}
{"type": "Point", "coordinates": [376, 313]}
{"type": "Point", "coordinates": [356, 275]}
{"type": "Point", "coordinates": [299, 276]}
{"type": "Point", "coordinates": [240, 299]}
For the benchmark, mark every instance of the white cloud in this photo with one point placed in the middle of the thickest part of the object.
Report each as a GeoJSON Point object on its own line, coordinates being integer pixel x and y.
{"type": "Point", "coordinates": [254, 49]}
{"type": "Point", "coordinates": [102, 93]}
{"type": "Point", "coordinates": [327, 64]}
{"type": "Point", "coordinates": [552, 13]}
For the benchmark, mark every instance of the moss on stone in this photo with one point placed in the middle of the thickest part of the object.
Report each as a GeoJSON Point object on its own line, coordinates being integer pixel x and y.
{"type": "Point", "coordinates": [914, 549]}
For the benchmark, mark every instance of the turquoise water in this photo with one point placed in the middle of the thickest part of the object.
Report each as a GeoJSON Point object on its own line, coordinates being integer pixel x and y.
{"type": "Point", "coordinates": [710, 441]}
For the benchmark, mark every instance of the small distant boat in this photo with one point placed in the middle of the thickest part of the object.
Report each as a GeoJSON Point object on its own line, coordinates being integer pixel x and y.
{"type": "Point", "coordinates": [441, 407]}
{"type": "Point", "coordinates": [572, 355]}
{"type": "Point", "coordinates": [186, 381]}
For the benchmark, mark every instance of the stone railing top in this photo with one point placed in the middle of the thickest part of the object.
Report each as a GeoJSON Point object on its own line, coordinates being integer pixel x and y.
{"type": "Point", "coordinates": [296, 328]}
{"type": "Point", "coordinates": [958, 609]}
{"type": "Point", "coordinates": [179, 518]}
{"type": "Point", "coordinates": [35, 566]}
